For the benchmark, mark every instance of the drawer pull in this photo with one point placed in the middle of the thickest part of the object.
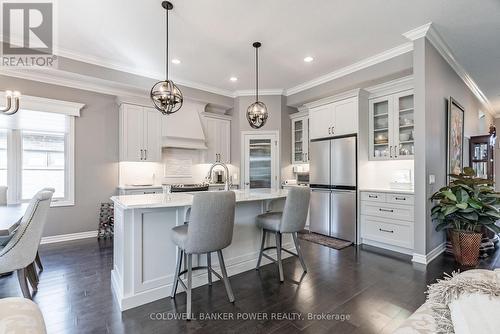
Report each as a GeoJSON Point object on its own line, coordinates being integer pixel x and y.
{"type": "Point", "coordinates": [385, 210]}
{"type": "Point", "coordinates": [372, 196]}
{"type": "Point", "coordinates": [400, 198]}
{"type": "Point", "coordinates": [387, 231]}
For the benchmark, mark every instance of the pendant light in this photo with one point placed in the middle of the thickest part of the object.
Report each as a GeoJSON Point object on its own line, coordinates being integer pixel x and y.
{"type": "Point", "coordinates": [9, 110]}
{"type": "Point", "coordinates": [257, 112]}
{"type": "Point", "coordinates": [166, 96]}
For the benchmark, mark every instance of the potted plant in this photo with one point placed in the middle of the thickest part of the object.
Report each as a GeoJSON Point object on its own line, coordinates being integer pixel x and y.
{"type": "Point", "coordinates": [464, 207]}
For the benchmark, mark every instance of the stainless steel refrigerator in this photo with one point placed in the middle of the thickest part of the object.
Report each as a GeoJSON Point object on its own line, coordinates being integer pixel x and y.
{"type": "Point", "coordinates": [333, 177]}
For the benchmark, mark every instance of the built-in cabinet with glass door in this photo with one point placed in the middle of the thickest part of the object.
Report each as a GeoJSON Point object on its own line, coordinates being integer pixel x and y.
{"type": "Point", "coordinates": [300, 137]}
{"type": "Point", "coordinates": [392, 127]}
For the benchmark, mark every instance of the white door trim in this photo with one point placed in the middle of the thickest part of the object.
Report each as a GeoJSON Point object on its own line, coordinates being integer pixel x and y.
{"type": "Point", "coordinates": [275, 164]}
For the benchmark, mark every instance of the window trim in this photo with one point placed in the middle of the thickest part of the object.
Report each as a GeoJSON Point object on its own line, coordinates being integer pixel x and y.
{"type": "Point", "coordinates": [14, 167]}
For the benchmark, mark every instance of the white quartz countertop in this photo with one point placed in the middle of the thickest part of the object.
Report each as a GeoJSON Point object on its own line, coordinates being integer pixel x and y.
{"type": "Point", "coordinates": [389, 190]}
{"type": "Point", "coordinates": [186, 199]}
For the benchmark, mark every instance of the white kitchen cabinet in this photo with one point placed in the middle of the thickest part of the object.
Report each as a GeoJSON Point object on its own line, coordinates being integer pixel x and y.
{"type": "Point", "coordinates": [334, 119]}
{"type": "Point", "coordinates": [300, 137]}
{"type": "Point", "coordinates": [392, 127]}
{"type": "Point", "coordinates": [217, 130]}
{"type": "Point", "coordinates": [387, 220]}
{"type": "Point", "coordinates": [140, 133]}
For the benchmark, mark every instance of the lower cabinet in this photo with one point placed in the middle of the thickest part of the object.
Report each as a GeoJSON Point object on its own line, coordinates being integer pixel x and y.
{"type": "Point", "coordinates": [387, 220]}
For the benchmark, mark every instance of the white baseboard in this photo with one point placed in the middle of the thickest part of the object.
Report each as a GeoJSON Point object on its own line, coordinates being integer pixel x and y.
{"type": "Point", "coordinates": [426, 259]}
{"type": "Point", "coordinates": [68, 237]}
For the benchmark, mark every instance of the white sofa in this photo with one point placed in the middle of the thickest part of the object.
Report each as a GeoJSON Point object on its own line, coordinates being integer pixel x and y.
{"type": "Point", "coordinates": [422, 321]}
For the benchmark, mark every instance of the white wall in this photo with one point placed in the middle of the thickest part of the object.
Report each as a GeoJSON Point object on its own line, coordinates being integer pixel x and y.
{"type": "Point", "coordinates": [379, 174]}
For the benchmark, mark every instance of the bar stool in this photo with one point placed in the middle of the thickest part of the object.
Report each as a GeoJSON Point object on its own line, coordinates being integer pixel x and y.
{"type": "Point", "coordinates": [210, 229]}
{"type": "Point", "coordinates": [291, 220]}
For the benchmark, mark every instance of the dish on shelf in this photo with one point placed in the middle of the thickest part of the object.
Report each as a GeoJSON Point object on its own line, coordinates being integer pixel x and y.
{"type": "Point", "coordinates": [381, 123]}
{"type": "Point", "coordinates": [405, 121]}
{"type": "Point", "coordinates": [381, 139]}
{"type": "Point", "coordinates": [404, 136]}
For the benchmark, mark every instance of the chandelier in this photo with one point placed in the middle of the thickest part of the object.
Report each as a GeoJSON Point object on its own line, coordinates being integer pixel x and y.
{"type": "Point", "coordinates": [9, 95]}
{"type": "Point", "coordinates": [257, 112]}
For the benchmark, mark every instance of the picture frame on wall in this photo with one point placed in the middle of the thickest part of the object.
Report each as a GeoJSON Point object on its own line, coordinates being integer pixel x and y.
{"type": "Point", "coordinates": [455, 138]}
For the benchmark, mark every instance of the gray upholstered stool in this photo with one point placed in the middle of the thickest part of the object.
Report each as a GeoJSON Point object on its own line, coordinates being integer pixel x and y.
{"type": "Point", "coordinates": [210, 229]}
{"type": "Point", "coordinates": [291, 220]}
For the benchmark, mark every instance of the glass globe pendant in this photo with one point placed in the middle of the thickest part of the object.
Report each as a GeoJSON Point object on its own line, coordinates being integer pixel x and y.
{"type": "Point", "coordinates": [257, 112]}
{"type": "Point", "coordinates": [166, 96]}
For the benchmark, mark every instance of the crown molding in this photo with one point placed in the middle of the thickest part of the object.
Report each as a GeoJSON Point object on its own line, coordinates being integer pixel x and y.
{"type": "Point", "coordinates": [418, 32]}
{"type": "Point", "coordinates": [69, 108]}
{"type": "Point", "coordinates": [367, 62]}
{"type": "Point", "coordinates": [262, 92]}
{"type": "Point", "coordinates": [391, 87]}
{"type": "Point", "coordinates": [335, 98]}
{"type": "Point", "coordinates": [428, 31]}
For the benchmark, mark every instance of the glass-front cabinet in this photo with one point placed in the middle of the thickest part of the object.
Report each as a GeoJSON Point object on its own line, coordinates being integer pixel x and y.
{"type": "Point", "coordinates": [481, 157]}
{"type": "Point", "coordinates": [391, 127]}
{"type": "Point", "coordinates": [300, 138]}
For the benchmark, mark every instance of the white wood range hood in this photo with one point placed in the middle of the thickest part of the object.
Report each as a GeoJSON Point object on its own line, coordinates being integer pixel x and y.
{"type": "Point", "coordinates": [183, 129]}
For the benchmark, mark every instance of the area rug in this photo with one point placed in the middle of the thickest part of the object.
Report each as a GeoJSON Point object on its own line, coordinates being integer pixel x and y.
{"type": "Point", "coordinates": [324, 240]}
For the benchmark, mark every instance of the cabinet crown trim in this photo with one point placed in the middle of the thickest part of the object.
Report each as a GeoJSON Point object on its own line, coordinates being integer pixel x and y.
{"type": "Point", "coordinates": [391, 87]}
{"type": "Point", "coordinates": [299, 114]}
{"type": "Point", "coordinates": [336, 98]}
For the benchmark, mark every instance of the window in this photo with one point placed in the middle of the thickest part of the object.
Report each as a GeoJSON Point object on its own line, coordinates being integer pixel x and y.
{"type": "Point", "coordinates": [43, 163]}
{"type": "Point", "coordinates": [3, 157]}
{"type": "Point", "coordinates": [36, 152]}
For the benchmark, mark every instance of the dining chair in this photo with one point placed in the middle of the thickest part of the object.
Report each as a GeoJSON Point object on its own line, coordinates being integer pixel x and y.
{"type": "Point", "coordinates": [20, 252]}
{"type": "Point", "coordinates": [3, 195]}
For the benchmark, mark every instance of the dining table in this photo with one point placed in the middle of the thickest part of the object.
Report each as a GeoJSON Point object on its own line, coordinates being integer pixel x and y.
{"type": "Point", "coordinates": [10, 216]}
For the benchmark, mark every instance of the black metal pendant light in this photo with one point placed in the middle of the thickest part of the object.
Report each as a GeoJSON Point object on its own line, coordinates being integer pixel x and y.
{"type": "Point", "coordinates": [166, 96]}
{"type": "Point", "coordinates": [257, 112]}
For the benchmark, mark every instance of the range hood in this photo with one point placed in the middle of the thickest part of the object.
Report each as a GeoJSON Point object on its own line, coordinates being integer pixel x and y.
{"type": "Point", "coordinates": [183, 129]}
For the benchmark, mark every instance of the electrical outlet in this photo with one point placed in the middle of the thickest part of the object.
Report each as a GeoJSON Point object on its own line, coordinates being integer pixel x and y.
{"type": "Point", "coordinates": [432, 178]}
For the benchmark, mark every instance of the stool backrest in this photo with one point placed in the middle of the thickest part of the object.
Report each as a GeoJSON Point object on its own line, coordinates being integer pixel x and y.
{"type": "Point", "coordinates": [212, 220]}
{"type": "Point", "coordinates": [296, 209]}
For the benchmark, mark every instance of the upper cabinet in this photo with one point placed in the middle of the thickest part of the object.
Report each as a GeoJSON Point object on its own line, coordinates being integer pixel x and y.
{"type": "Point", "coordinates": [217, 129]}
{"type": "Point", "coordinates": [300, 137]}
{"type": "Point", "coordinates": [336, 118]}
{"type": "Point", "coordinates": [139, 133]}
{"type": "Point", "coordinates": [392, 127]}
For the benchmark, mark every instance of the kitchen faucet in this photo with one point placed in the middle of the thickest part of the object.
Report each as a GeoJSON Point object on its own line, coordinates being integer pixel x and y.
{"type": "Point", "coordinates": [227, 185]}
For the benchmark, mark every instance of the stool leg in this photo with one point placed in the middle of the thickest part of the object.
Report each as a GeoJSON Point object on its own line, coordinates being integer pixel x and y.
{"type": "Point", "coordinates": [261, 249]}
{"type": "Point", "coordinates": [180, 255]}
{"type": "Point", "coordinates": [278, 255]}
{"type": "Point", "coordinates": [38, 261]}
{"type": "Point", "coordinates": [32, 276]}
{"type": "Point", "coordinates": [189, 284]}
{"type": "Point", "coordinates": [299, 252]}
{"type": "Point", "coordinates": [209, 267]}
{"type": "Point", "coordinates": [224, 276]}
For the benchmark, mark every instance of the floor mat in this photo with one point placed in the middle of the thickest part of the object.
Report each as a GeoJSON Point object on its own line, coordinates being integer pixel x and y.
{"type": "Point", "coordinates": [324, 240]}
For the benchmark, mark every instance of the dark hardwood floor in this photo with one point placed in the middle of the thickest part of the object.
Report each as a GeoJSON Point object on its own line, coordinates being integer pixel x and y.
{"type": "Point", "coordinates": [364, 289]}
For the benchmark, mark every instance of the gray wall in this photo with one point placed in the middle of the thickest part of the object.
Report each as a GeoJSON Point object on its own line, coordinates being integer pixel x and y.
{"type": "Point", "coordinates": [435, 82]}
{"type": "Point", "coordinates": [96, 154]}
{"type": "Point", "coordinates": [278, 120]}
{"type": "Point", "coordinates": [388, 70]}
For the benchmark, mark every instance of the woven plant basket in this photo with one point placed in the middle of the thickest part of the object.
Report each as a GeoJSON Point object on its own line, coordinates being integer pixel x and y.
{"type": "Point", "coordinates": [466, 247]}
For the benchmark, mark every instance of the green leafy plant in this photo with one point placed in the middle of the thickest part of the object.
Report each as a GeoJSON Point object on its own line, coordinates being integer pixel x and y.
{"type": "Point", "coordinates": [467, 204]}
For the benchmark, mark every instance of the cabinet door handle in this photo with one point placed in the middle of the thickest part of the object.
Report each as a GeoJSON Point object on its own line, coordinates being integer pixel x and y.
{"type": "Point", "coordinates": [332, 130]}
{"type": "Point", "coordinates": [385, 210]}
{"type": "Point", "coordinates": [390, 150]}
{"type": "Point", "coordinates": [142, 154]}
{"type": "Point", "coordinates": [306, 156]}
{"type": "Point", "coordinates": [329, 130]}
{"type": "Point", "coordinates": [372, 196]}
{"type": "Point", "coordinates": [387, 231]}
{"type": "Point", "coordinates": [400, 198]}
{"type": "Point", "coordinates": [145, 154]}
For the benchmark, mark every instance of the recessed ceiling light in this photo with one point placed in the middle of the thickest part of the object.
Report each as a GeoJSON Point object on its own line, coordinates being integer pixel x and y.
{"type": "Point", "coordinates": [233, 79]}
{"type": "Point", "coordinates": [176, 61]}
{"type": "Point", "coordinates": [308, 59]}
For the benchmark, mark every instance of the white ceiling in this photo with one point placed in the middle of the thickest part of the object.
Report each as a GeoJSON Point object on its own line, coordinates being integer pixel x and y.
{"type": "Point", "coordinates": [213, 38]}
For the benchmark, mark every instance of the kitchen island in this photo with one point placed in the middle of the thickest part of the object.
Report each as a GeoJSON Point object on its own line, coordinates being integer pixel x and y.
{"type": "Point", "coordinates": [144, 256]}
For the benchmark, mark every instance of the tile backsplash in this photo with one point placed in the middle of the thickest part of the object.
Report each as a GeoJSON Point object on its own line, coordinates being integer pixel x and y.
{"type": "Point", "coordinates": [177, 166]}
